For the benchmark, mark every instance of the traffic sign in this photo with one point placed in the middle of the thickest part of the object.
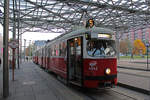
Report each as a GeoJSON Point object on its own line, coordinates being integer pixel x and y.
{"type": "Point", "coordinates": [147, 44]}
{"type": "Point", "coordinates": [13, 44]}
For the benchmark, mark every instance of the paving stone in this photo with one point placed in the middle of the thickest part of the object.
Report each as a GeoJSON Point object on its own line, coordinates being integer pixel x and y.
{"type": "Point", "coordinates": [135, 81]}
{"type": "Point", "coordinates": [46, 97]}
{"type": "Point", "coordinates": [27, 97]}
{"type": "Point", "coordinates": [32, 83]}
{"type": "Point", "coordinates": [134, 78]}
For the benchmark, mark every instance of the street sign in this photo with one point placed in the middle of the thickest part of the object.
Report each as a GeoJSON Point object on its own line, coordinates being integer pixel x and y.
{"type": "Point", "coordinates": [13, 44]}
{"type": "Point", "coordinates": [147, 44]}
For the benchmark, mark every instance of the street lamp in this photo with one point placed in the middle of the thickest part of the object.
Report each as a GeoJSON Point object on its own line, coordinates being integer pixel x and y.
{"type": "Point", "coordinates": [24, 49]}
{"type": "Point", "coordinates": [147, 45]}
{"type": "Point", "coordinates": [30, 49]}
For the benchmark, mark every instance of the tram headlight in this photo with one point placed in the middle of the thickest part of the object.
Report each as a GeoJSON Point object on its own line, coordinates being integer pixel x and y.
{"type": "Point", "coordinates": [108, 71]}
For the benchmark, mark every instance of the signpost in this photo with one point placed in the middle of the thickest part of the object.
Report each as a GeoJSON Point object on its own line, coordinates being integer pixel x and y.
{"type": "Point", "coordinates": [147, 45]}
{"type": "Point", "coordinates": [13, 44]}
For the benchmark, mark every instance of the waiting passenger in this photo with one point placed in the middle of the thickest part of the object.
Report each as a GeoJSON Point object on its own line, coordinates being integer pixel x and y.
{"type": "Point", "coordinates": [27, 58]}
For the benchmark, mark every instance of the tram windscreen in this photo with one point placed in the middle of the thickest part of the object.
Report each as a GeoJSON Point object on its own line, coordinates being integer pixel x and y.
{"type": "Point", "coordinates": [101, 48]}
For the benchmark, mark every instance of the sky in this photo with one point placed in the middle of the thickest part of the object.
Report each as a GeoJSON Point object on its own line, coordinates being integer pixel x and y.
{"type": "Point", "coordinates": [38, 36]}
{"type": "Point", "coordinates": [33, 36]}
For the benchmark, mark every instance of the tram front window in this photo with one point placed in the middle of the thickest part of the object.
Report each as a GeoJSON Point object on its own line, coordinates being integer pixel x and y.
{"type": "Point", "coordinates": [98, 48]}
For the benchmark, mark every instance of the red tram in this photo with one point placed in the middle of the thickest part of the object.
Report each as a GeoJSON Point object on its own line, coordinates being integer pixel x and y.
{"type": "Point", "coordinates": [86, 57]}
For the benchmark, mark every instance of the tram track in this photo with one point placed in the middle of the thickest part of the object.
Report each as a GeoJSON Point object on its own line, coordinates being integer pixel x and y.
{"type": "Point", "coordinates": [136, 75]}
{"type": "Point", "coordinates": [124, 94]}
{"type": "Point", "coordinates": [108, 94]}
{"type": "Point", "coordinates": [103, 94]}
{"type": "Point", "coordinates": [131, 68]}
{"type": "Point", "coordinates": [100, 94]}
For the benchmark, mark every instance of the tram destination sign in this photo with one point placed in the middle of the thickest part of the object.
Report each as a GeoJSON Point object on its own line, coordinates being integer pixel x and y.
{"type": "Point", "coordinates": [90, 23]}
{"type": "Point", "coordinates": [103, 35]}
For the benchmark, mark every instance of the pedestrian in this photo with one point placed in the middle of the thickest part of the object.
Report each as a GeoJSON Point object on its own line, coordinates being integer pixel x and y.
{"type": "Point", "coordinates": [27, 58]}
{"type": "Point", "coordinates": [132, 56]}
{"type": "Point", "coordinates": [0, 62]}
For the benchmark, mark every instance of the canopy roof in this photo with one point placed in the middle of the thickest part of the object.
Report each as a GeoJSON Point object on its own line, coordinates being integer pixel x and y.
{"type": "Point", "coordinates": [64, 15]}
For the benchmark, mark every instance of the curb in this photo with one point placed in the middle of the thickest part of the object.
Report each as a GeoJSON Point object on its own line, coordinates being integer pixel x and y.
{"type": "Point", "coordinates": [133, 68]}
{"type": "Point", "coordinates": [143, 76]}
{"type": "Point", "coordinates": [134, 88]}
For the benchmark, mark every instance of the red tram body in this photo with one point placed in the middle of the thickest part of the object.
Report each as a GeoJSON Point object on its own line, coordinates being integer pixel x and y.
{"type": "Point", "coordinates": [86, 57]}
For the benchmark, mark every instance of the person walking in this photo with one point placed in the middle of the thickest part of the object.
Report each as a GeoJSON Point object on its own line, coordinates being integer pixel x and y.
{"type": "Point", "coordinates": [0, 62]}
{"type": "Point", "coordinates": [27, 59]}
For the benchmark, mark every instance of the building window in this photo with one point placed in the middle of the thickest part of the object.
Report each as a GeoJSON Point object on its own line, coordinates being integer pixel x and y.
{"type": "Point", "coordinates": [135, 35]}
{"type": "Point", "coordinates": [143, 35]}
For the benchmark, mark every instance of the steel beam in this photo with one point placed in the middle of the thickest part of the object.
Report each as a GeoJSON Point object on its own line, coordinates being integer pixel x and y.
{"type": "Point", "coordinates": [115, 7]}
{"type": "Point", "coordinates": [19, 53]}
{"type": "Point", "coordinates": [56, 14]}
{"type": "Point", "coordinates": [5, 48]}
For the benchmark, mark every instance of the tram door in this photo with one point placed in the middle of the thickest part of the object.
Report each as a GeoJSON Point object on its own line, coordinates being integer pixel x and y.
{"type": "Point", "coordinates": [75, 57]}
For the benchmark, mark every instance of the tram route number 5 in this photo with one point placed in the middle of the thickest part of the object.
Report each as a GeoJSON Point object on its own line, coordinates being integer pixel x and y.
{"type": "Point", "coordinates": [13, 44]}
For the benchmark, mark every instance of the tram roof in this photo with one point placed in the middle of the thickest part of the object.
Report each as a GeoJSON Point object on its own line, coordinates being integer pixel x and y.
{"type": "Point", "coordinates": [64, 15]}
{"type": "Point", "coordinates": [80, 32]}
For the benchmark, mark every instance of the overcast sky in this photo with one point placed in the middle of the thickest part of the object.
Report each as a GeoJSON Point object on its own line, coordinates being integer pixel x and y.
{"type": "Point", "coordinates": [38, 36]}
{"type": "Point", "coordinates": [33, 35]}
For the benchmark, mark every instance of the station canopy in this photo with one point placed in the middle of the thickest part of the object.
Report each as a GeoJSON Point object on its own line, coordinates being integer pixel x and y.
{"type": "Point", "coordinates": [61, 16]}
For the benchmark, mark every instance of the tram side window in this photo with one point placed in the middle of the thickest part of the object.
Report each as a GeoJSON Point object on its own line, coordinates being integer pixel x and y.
{"type": "Point", "coordinates": [72, 48]}
{"type": "Point", "coordinates": [47, 52]}
{"type": "Point", "coordinates": [53, 51]}
{"type": "Point", "coordinates": [64, 48]}
{"type": "Point", "coordinates": [60, 49]}
{"type": "Point", "coordinates": [78, 46]}
{"type": "Point", "coordinates": [42, 52]}
{"type": "Point", "coordinates": [50, 51]}
{"type": "Point", "coordinates": [57, 50]}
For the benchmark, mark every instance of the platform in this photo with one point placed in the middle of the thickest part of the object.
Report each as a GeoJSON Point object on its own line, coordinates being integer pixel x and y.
{"type": "Point", "coordinates": [134, 74]}
{"type": "Point", "coordinates": [137, 64]}
{"type": "Point", "coordinates": [32, 83]}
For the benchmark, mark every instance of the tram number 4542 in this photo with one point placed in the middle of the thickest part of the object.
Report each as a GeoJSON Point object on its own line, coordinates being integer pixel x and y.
{"type": "Point", "coordinates": [92, 66]}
